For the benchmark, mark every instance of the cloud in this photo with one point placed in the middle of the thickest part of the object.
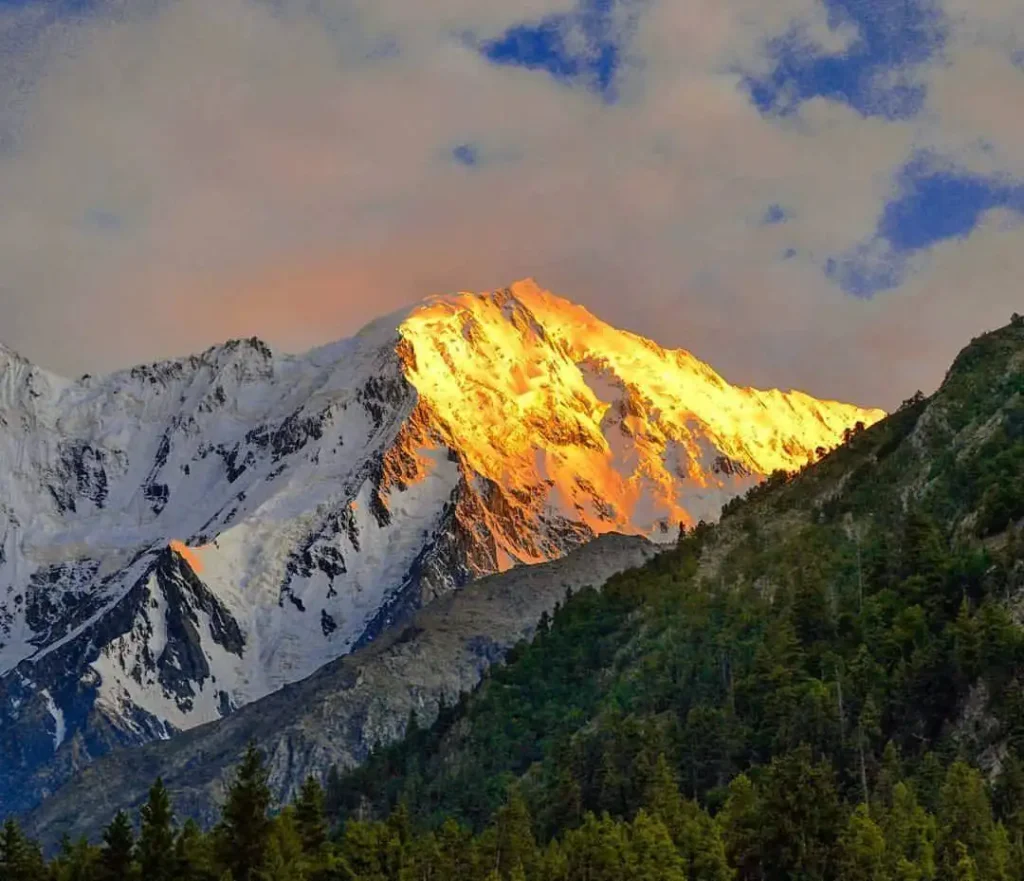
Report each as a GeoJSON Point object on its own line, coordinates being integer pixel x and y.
{"type": "Point", "coordinates": [972, 283]}
{"type": "Point", "coordinates": [874, 71]}
{"type": "Point", "coordinates": [934, 201]}
{"type": "Point", "coordinates": [178, 173]}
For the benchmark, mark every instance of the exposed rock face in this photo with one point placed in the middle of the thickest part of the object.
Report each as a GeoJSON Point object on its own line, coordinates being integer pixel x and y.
{"type": "Point", "coordinates": [180, 539]}
{"type": "Point", "coordinates": [349, 705]}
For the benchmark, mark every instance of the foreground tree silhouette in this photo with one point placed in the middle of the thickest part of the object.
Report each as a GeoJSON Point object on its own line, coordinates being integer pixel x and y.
{"type": "Point", "coordinates": [514, 845]}
{"type": "Point", "coordinates": [193, 857]}
{"type": "Point", "coordinates": [76, 861]}
{"type": "Point", "coordinates": [243, 834]}
{"type": "Point", "coordinates": [20, 859]}
{"type": "Point", "coordinates": [693, 832]}
{"type": "Point", "coordinates": [310, 818]}
{"type": "Point", "coordinates": [334, 795]}
{"type": "Point", "coordinates": [116, 857]}
{"type": "Point", "coordinates": [861, 849]}
{"type": "Point", "coordinates": [156, 839]}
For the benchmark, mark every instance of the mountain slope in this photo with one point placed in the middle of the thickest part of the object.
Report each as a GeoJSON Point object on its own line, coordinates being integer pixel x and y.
{"type": "Point", "coordinates": [852, 627]}
{"type": "Point", "coordinates": [181, 539]}
{"type": "Point", "coordinates": [341, 712]}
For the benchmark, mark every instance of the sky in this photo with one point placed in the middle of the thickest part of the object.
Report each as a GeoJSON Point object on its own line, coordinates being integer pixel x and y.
{"type": "Point", "coordinates": [819, 194]}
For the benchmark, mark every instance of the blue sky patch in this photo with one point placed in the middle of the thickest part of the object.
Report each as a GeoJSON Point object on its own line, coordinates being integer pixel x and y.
{"type": "Point", "coordinates": [584, 47]}
{"type": "Point", "coordinates": [875, 73]}
{"type": "Point", "coordinates": [466, 154]}
{"type": "Point", "coordinates": [934, 203]}
{"type": "Point", "coordinates": [55, 8]}
{"type": "Point", "coordinates": [940, 204]}
{"type": "Point", "coordinates": [865, 271]}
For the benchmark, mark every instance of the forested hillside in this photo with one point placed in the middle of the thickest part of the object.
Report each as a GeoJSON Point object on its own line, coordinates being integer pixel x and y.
{"type": "Point", "coordinates": [827, 685]}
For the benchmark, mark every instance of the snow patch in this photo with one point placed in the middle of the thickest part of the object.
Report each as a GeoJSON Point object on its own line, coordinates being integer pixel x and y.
{"type": "Point", "coordinates": [59, 727]}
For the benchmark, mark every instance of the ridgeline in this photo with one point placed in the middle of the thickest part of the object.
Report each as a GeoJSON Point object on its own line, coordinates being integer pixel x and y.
{"type": "Point", "coordinates": [826, 685]}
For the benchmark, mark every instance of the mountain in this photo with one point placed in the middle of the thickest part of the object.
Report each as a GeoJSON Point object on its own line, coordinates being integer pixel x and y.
{"type": "Point", "coordinates": [827, 684]}
{"type": "Point", "coordinates": [180, 539]}
{"type": "Point", "coordinates": [341, 712]}
{"type": "Point", "coordinates": [836, 669]}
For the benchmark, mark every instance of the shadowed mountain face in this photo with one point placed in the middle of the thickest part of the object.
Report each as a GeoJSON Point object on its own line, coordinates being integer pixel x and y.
{"type": "Point", "coordinates": [336, 716]}
{"type": "Point", "coordinates": [181, 539]}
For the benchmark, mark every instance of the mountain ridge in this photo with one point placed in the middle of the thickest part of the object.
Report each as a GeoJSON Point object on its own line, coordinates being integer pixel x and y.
{"type": "Point", "coordinates": [839, 654]}
{"type": "Point", "coordinates": [346, 708]}
{"type": "Point", "coordinates": [181, 538]}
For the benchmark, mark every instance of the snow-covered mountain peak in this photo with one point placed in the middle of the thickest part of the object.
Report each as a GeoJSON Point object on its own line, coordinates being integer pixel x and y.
{"type": "Point", "coordinates": [612, 431]}
{"type": "Point", "coordinates": [183, 537]}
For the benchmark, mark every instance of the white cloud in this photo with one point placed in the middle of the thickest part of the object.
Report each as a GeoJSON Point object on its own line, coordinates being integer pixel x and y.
{"type": "Point", "coordinates": [206, 170]}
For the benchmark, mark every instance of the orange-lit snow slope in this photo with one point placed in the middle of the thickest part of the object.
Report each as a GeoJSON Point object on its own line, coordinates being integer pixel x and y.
{"type": "Point", "coordinates": [569, 417]}
{"type": "Point", "coordinates": [293, 507]}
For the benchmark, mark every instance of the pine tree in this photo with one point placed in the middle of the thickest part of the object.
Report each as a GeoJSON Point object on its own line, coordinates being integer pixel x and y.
{"type": "Point", "coordinates": [662, 797]}
{"type": "Point", "coordinates": [651, 855]}
{"type": "Point", "coordinates": [968, 647]}
{"type": "Point", "coordinates": [564, 808]}
{"type": "Point", "coordinates": [116, 856]}
{"type": "Point", "coordinates": [800, 817]}
{"type": "Point", "coordinates": [12, 850]}
{"type": "Point", "coordinates": [741, 828]}
{"type": "Point", "coordinates": [334, 795]}
{"type": "Point", "coordinates": [397, 833]}
{"type": "Point", "coordinates": [694, 833]}
{"type": "Point", "coordinates": [156, 837]}
{"type": "Point", "coordinates": [1009, 803]}
{"type": "Point", "coordinates": [909, 833]}
{"type": "Point", "coordinates": [310, 818]}
{"type": "Point", "coordinates": [425, 860]}
{"type": "Point", "coordinates": [702, 848]}
{"type": "Point", "coordinates": [963, 867]}
{"type": "Point", "coordinates": [81, 862]}
{"type": "Point", "coordinates": [928, 781]}
{"type": "Point", "coordinates": [964, 821]}
{"type": "Point", "coordinates": [861, 849]}
{"type": "Point", "coordinates": [20, 859]}
{"type": "Point", "coordinates": [456, 852]}
{"type": "Point", "coordinates": [244, 831]}
{"type": "Point", "coordinates": [597, 851]}
{"type": "Point", "coordinates": [923, 552]}
{"type": "Point", "coordinates": [193, 860]}
{"type": "Point", "coordinates": [889, 774]}
{"type": "Point", "coordinates": [518, 873]}
{"type": "Point", "coordinates": [999, 858]}
{"type": "Point", "coordinates": [514, 841]}
{"type": "Point", "coordinates": [284, 857]}
{"type": "Point", "coordinates": [868, 728]}
{"type": "Point", "coordinates": [362, 851]}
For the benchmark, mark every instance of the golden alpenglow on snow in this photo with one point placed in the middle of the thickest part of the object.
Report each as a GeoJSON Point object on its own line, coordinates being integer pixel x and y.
{"type": "Point", "coordinates": [566, 414]}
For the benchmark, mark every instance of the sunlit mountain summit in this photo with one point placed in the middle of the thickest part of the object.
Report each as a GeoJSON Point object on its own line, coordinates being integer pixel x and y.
{"type": "Point", "coordinates": [182, 538]}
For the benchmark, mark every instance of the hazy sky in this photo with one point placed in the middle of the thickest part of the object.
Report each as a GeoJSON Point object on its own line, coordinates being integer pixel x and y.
{"type": "Point", "coordinates": [826, 194]}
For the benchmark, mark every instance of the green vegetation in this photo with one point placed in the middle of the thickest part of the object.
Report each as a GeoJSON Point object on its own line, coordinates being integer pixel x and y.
{"type": "Point", "coordinates": [827, 685]}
